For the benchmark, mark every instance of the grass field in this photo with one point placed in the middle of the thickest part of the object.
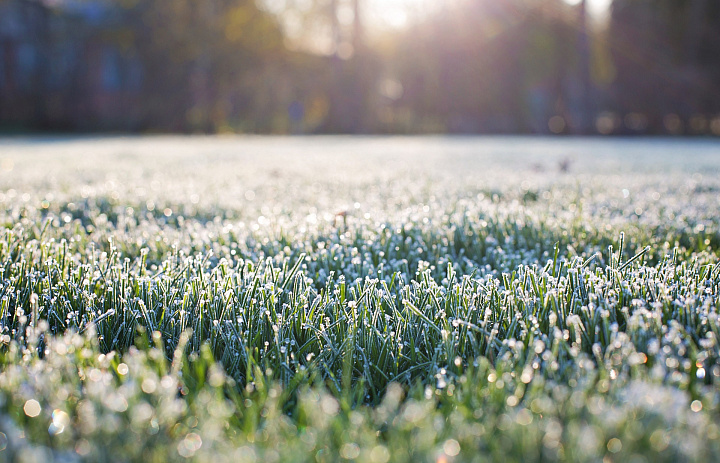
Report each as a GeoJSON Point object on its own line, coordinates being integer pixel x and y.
{"type": "Point", "coordinates": [373, 300]}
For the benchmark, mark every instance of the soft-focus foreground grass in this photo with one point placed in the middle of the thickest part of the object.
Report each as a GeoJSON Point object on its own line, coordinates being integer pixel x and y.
{"type": "Point", "coordinates": [368, 300]}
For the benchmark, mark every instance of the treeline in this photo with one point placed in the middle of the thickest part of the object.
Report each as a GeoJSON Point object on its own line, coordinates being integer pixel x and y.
{"type": "Point", "coordinates": [472, 66]}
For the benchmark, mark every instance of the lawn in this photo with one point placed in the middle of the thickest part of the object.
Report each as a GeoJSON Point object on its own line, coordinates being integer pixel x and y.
{"type": "Point", "coordinates": [373, 300]}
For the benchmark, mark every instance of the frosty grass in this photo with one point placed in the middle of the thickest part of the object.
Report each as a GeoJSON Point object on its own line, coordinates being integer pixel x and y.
{"type": "Point", "coordinates": [374, 300]}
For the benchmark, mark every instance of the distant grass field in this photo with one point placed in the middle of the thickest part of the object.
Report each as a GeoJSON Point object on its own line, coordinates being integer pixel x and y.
{"type": "Point", "coordinates": [372, 300]}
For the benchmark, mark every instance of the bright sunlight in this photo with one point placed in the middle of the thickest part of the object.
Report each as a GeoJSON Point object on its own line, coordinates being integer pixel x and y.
{"type": "Point", "coordinates": [396, 14]}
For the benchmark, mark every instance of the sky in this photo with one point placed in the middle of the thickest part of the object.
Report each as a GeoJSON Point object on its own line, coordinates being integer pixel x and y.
{"type": "Point", "coordinates": [397, 13]}
{"type": "Point", "coordinates": [596, 8]}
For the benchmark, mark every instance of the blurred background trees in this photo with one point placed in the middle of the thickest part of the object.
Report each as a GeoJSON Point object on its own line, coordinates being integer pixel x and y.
{"type": "Point", "coordinates": [666, 56]}
{"type": "Point", "coordinates": [204, 62]}
{"type": "Point", "coordinates": [323, 66]}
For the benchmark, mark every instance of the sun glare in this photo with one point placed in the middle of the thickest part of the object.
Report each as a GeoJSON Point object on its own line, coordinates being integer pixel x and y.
{"type": "Point", "coordinates": [595, 8]}
{"type": "Point", "coordinates": [395, 14]}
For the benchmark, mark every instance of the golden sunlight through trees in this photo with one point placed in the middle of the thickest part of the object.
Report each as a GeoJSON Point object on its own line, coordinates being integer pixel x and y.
{"type": "Point", "coordinates": [608, 67]}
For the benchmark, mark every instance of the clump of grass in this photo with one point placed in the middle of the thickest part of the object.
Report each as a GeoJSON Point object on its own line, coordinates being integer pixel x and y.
{"type": "Point", "coordinates": [78, 405]}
